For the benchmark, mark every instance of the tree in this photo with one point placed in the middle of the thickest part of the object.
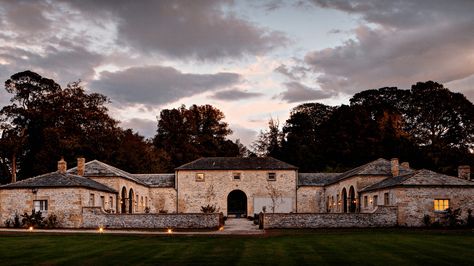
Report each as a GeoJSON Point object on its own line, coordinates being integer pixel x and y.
{"type": "Point", "coordinates": [187, 134]}
{"type": "Point", "coordinates": [269, 142]}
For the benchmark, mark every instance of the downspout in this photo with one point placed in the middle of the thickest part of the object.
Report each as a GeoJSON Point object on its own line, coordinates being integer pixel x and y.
{"type": "Point", "coordinates": [176, 187]}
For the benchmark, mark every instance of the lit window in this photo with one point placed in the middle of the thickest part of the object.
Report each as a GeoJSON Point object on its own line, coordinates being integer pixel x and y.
{"type": "Point", "coordinates": [236, 176]}
{"type": "Point", "coordinates": [386, 199]}
{"type": "Point", "coordinates": [366, 201]}
{"type": "Point", "coordinates": [271, 176]}
{"type": "Point", "coordinates": [441, 205]}
{"type": "Point", "coordinates": [200, 177]}
{"type": "Point", "coordinates": [91, 200]}
{"type": "Point", "coordinates": [376, 198]}
{"type": "Point", "coordinates": [40, 205]}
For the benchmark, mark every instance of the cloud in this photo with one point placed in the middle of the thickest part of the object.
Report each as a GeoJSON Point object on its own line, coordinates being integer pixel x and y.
{"type": "Point", "coordinates": [183, 29]}
{"type": "Point", "coordinates": [400, 43]}
{"type": "Point", "coordinates": [296, 72]}
{"type": "Point", "coordinates": [297, 92]}
{"type": "Point", "coordinates": [234, 95]}
{"type": "Point", "coordinates": [67, 64]}
{"type": "Point", "coordinates": [144, 127]}
{"type": "Point", "coordinates": [245, 135]}
{"type": "Point", "coordinates": [158, 85]}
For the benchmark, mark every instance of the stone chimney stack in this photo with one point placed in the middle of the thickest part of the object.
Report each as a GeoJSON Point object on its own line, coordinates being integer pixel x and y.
{"type": "Point", "coordinates": [464, 172]}
{"type": "Point", "coordinates": [395, 167]}
{"type": "Point", "coordinates": [62, 166]}
{"type": "Point", "coordinates": [405, 165]}
{"type": "Point", "coordinates": [81, 161]}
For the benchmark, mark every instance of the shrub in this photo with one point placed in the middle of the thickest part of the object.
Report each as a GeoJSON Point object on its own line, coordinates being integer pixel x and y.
{"type": "Point", "coordinates": [35, 219]}
{"type": "Point", "coordinates": [8, 223]}
{"type": "Point", "coordinates": [52, 221]}
{"type": "Point", "coordinates": [453, 217]}
{"type": "Point", "coordinates": [427, 220]}
{"type": "Point", "coordinates": [16, 221]}
{"type": "Point", "coordinates": [147, 209]}
{"type": "Point", "coordinates": [162, 211]}
{"type": "Point", "coordinates": [470, 219]}
{"type": "Point", "coordinates": [208, 209]}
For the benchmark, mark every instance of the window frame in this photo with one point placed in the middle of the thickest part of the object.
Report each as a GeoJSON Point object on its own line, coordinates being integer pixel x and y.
{"type": "Point", "coordinates": [386, 198]}
{"type": "Point", "coordinates": [375, 200]}
{"type": "Point", "coordinates": [237, 174]}
{"type": "Point", "coordinates": [271, 178]}
{"type": "Point", "coordinates": [91, 200]}
{"type": "Point", "coordinates": [448, 201]}
{"type": "Point", "coordinates": [200, 179]}
{"type": "Point", "coordinates": [43, 205]}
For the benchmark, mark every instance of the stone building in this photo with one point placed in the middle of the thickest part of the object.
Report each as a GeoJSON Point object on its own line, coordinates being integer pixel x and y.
{"type": "Point", "coordinates": [239, 187]}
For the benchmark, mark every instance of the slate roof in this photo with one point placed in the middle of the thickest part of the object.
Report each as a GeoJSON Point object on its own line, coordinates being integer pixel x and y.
{"type": "Point", "coordinates": [237, 163]}
{"type": "Point", "coordinates": [379, 167]}
{"type": "Point", "coordinates": [97, 168]}
{"type": "Point", "coordinates": [421, 177]}
{"type": "Point", "coordinates": [157, 180]}
{"type": "Point", "coordinates": [316, 179]}
{"type": "Point", "coordinates": [58, 180]}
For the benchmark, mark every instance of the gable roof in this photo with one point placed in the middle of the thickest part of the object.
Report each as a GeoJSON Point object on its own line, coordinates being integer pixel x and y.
{"type": "Point", "coordinates": [157, 180]}
{"type": "Point", "coordinates": [97, 168]}
{"type": "Point", "coordinates": [379, 167]}
{"type": "Point", "coordinates": [237, 163]}
{"type": "Point", "coordinates": [316, 179]}
{"type": "Point", "coordinates": [58, 180]}
{"type": "Point", "coordinates": [418, 178]}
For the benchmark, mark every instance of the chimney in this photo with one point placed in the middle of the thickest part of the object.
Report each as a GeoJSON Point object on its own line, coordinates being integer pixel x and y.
{"type": "Point", "coordinates": [395, 167]}
{"type": "Point", "coordinates": [62, 166]}
{"type": "Point", "coordinates": [81, 161]}
{"type": "Point", "coordinates": [405, 165]}
{"type": "Point", "coordinates": [464, 172]}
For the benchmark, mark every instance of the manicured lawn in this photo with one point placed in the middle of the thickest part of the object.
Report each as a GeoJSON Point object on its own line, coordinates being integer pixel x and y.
{"type": "Point", "coordinates": [374, 247]}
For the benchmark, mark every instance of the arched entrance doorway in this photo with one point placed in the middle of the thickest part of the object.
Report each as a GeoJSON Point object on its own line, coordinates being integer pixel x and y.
{"type": "Point", "coordinates": [237, 204]}
{"type": "Point", "coordinates": [352, 200]}
{"type": "Point", "coordinates": [344, 200]}
{"type": "Point", "coordinates": [123, 206]}
{"type": "Point", "coordinates": [130, 201]}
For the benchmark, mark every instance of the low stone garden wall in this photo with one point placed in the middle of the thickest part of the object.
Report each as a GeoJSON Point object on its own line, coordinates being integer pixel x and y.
{"type": "Point", "coordinates": [381, 217]}
{"type": "Point", "coordinates": [94, 217]}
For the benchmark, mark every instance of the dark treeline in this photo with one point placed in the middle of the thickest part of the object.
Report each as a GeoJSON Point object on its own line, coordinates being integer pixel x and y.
{"type": "Point", "coordinates": [429, 126]}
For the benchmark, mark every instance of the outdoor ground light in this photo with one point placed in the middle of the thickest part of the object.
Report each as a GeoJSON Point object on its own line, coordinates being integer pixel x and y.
{"type": "Point", "coordinates": [101, 230]}
{"type": "Point", "coordinates": [30, 228]}
{"type": "Point", "coordinates": [170, 231]}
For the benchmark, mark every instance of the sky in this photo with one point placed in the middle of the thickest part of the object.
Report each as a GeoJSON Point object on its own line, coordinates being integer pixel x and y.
{"type": "Point", "coordinates": [253, 60]}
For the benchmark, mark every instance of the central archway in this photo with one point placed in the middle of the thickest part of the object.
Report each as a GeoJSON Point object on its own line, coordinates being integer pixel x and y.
{"type": "Point", "coordinates": [237, 204]}
{"type": "Point", "coordinates": [352, 200]}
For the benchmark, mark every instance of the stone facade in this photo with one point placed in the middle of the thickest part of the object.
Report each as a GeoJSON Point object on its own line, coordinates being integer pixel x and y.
{"type": "Point", "coordinates": [309, 199]}
{"type": "Point", "coordinates": [382, 217]}
{"type": "Point", "coordinates": [96, 218]}
{"type": "Point", "coordinates": [65, 203]}
{"type": "Point", "coordinates": [413, 203]}
{"type": "Point", "coordinates": [217, 185]}
{"type": "Point", "coordinates": [163, 200]}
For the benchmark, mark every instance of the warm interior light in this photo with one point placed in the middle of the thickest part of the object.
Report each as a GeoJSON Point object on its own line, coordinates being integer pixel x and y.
{"type": "Point", "coordinates": [170, 231]}
{"type": "Point", "coordinates": [221, 228]}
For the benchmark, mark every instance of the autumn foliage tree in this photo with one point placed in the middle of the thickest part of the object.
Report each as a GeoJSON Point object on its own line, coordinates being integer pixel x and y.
{"type": "Point", "coordinates": [187, 134]}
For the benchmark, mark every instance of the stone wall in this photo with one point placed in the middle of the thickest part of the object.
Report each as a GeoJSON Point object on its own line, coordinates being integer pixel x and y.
{"type": "Point", "coordinates": [382, 217]}
{"type": "Point", "coordinates": [310, 199]}
{"type": "Point", "coordinates": [218, 184]}
{"type": "Point", "coordinates": [65, 203]}
{"type": "Point", "coordinates": [162, 200]}
{"type": "Point", "coordinates": [95, 218]}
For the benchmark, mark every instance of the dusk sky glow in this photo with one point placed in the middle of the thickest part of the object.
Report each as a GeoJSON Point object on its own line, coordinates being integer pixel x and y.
{"type": "Point", "coordinates": [254, 60]}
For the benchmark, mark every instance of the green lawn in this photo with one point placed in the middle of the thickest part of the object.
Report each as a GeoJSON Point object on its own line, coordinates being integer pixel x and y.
{"type": "Point", "coordinates": [375, 247]}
